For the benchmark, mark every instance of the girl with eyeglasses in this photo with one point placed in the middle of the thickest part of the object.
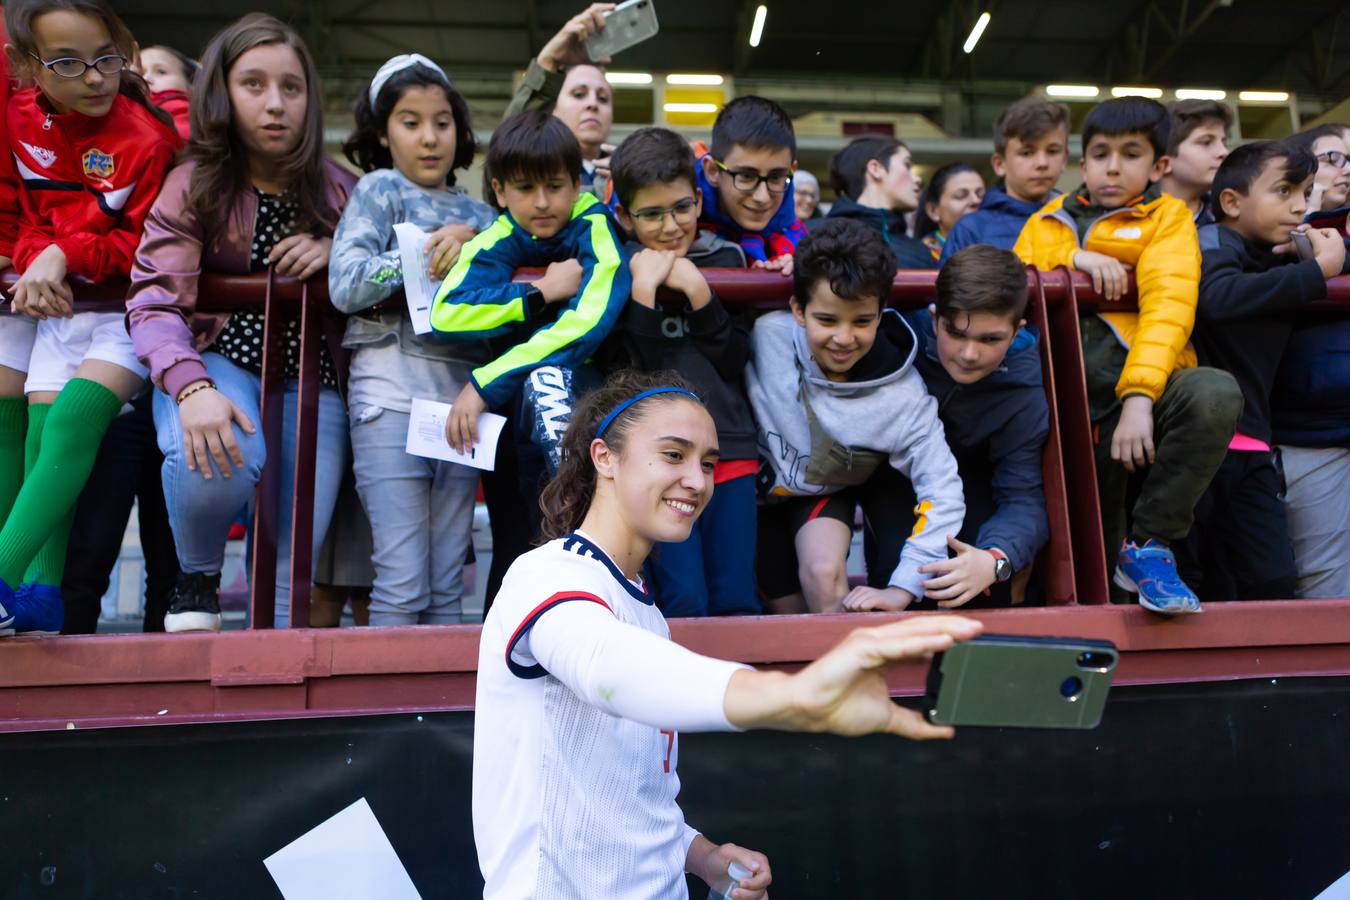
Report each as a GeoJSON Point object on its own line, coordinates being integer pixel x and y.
{"type": "Point", "coordinates": [1331, 182]}
{"type": "Point", "coordinates": [91, 152]}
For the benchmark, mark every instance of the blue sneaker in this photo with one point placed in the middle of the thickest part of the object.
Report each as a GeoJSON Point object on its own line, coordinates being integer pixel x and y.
{"type": "Point", "coordinates": [38, 610]}
{"type": "Point", "coordinates": [1150, 570]}
{"type": "Point", "coordinates": [8, 603]}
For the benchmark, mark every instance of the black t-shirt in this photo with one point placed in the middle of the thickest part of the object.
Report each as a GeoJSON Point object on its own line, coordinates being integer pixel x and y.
{"type": "Point", "coordinates": [241, 340]}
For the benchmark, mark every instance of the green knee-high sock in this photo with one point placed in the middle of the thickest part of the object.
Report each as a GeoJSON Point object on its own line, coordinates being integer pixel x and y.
{"type": "Point", "coordinates": [13, 429]}
{"type": "Point", "coordinates": [69, 442]}
{"type": "Point", "coordinates": [37, 420]}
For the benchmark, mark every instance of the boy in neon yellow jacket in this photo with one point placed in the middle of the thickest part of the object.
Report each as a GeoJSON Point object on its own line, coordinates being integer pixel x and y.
{"type": "Point", "coordinates": [1152, 409]}
{"type": "Point", "coordinates": [557, 322]}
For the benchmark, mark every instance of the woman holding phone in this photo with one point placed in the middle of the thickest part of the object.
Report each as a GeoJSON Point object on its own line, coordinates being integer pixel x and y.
{"type": "Point", "coordinates": [564, 79]}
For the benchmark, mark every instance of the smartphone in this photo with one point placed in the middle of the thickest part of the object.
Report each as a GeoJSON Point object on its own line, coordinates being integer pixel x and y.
{"type": "Point", "coordinates": [1011, 681]}
{"type": "Point", "coordinates": [629, 23]}
{"type": "Point", "coordinates": [1303, 247]}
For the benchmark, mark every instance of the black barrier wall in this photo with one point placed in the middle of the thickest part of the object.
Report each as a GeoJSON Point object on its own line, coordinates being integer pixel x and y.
{"type": "Point", "coordinates": [1237, 790]}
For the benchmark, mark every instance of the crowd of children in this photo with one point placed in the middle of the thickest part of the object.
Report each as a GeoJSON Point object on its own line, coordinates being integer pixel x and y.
{"type": "Point", "coordinates": [1220, 417]}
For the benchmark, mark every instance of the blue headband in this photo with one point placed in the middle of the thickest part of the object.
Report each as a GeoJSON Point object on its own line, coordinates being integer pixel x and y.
{"type": "Point", "coordinates": [609, 419]}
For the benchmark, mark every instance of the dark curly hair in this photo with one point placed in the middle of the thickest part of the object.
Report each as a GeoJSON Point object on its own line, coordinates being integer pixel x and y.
{"type": "Point", "coordinates": [567, 498]}
{"type": "Point", "coordinates": [363, 147]}
{"type": "Point", "coordinates": [851, 258]}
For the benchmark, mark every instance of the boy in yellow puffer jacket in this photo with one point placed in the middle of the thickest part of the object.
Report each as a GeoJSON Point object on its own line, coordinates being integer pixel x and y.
{"type": "Point", "coordinates": [1153, 411]}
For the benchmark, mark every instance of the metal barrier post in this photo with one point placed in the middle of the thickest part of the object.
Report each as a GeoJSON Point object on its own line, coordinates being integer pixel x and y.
{"type": "Point", "coordinates": [1085, 514]}
{"type": "Point", "coordinates": [263, 572]}
{"type": "Point", "coordinates": [306, 443]}
{"type": "Point", "coordinates": [1057, 559]}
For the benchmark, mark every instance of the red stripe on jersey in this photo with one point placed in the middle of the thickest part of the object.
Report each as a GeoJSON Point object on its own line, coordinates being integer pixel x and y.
{"type": "Point", "coordinates": [528, 622]}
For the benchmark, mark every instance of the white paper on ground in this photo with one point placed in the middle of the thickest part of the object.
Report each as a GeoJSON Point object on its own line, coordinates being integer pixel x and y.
{"type": "Point", "coordinates": [426, 435]}
{"type": "Point", "coordinates": [1338, 891]}
{"type": "Point", "coordinates": [349, 856]}
{"type": "Point", "coordinates": [416, 279]}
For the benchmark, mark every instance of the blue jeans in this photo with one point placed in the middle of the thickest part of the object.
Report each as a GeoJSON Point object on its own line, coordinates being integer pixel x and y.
{"type": "Point", "coordinates": [201, 511]}
{"type": "Point", "coordinates": [713, 572]}
{"type": "Point", "coordinates": [421, 518]}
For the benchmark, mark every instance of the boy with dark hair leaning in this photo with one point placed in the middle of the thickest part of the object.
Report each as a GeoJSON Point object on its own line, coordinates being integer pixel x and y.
{"type": "Point", "coordinates": [1031, 148]}
{"type": "Point", "coordinates": [1251, 280]}
{"type": "Point", "coordinates": [658, 202]}
{"type": "Point", "coordinates": [835, 394]}
{"type": "Point", "coordinates": [981, 360]}
{"type": "Point", "coordinates": [874, 179]}
{"type": "Point", "coordinates": [1153, 412]}
{"type": "Point", "coordinates": [746, 180]}
{"type": "Point", "coordinates": [1197, 143]}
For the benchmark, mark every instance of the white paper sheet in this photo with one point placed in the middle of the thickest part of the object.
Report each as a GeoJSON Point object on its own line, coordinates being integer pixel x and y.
{"type": "Point", "coordinates": [417, 287]}
{"type": "Point", "coordinates": [348, 857]}
{"type": "Point", "coordinates": [426, 435]}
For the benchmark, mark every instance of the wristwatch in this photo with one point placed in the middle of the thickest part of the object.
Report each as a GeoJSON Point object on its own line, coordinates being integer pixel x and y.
{"type": "Point", "coordinates": [1002, 568]}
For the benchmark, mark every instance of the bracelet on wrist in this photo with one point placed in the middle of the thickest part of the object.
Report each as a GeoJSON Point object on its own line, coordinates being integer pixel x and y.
{"type": "Point", "coordinates": [194, 389]}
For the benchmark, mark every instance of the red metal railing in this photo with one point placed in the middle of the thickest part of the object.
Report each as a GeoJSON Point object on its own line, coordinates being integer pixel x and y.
{"type": "Point", "coordinates": [143, 679]}
{"type": "Point", "coordinates": [283, 300]}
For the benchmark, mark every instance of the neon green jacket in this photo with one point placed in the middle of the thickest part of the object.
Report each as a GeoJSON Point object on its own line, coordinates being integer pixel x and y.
{"type": "Point", "coordinates": [478, 300]}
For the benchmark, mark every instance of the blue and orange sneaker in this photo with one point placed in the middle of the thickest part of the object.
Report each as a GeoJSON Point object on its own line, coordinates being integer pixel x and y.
{"type": "Point", "coordinates": [1150, 570]}
{"type": "Point", "coordinates": [38, 610]}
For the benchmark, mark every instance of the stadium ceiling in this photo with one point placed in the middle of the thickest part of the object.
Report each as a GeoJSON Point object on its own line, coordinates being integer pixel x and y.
{"type": "Point", "coordinates": [1233, 44]}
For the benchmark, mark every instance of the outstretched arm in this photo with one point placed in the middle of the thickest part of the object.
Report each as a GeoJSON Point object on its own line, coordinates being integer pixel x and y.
{"type": "Point", "coordinates": [633, 674]}
{"type": "Point", "coordinates": [844, 692]}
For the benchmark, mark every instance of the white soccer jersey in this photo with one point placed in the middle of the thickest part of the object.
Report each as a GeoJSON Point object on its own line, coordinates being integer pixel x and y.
{"type": "Point", "coordinates": [571, 800]}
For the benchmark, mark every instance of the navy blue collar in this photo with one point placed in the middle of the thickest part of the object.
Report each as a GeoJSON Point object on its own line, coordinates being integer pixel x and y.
{"type": "Point", "coordinates": [581, 546]}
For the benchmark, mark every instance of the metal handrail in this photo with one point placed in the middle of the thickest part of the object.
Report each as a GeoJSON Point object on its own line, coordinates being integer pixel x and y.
{"type": "Point", "coordinates": [1077, 571]}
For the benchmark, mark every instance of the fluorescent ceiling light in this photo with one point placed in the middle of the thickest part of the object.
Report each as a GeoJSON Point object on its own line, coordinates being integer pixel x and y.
{"type": "Point", "coordinates": [1200, 94]}
{"type": "Point", "coordinates": [1151, 93]}
{"type": "Point", "coordinates": [975, 33]}
{"type": "Point", "coordinates": [757, 29]}
{"type": "Point", "coordinates": [690, 107]}
{"type": "Point", "coordinates": [693, 79]}
{"type": "Point", "coordinates": [1071, 90]}
{"type": "Point", "coordinates": [629, 77]}
{"type": "Point", "coordinates": [1264, 96]}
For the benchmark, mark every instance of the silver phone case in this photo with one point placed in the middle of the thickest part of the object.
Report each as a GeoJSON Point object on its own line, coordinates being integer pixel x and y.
{"type": "Point", "coordinates": [628, 24]}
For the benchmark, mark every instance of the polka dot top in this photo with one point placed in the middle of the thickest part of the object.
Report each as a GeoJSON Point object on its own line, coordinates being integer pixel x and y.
{"type": "Point", "coordinates": [241, 341]}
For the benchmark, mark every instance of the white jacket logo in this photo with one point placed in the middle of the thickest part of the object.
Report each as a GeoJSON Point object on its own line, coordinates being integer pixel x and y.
{"type": "Point", "coordinates": [42, 155]}
{"type": "Point", "coordinates": [1133, 233]}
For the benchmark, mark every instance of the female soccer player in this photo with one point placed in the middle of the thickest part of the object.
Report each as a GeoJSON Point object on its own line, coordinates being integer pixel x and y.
{"type": "Point", "coordinates": [581, 693]}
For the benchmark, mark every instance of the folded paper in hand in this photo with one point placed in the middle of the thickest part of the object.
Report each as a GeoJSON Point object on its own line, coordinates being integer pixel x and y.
{"type": "Point", "coordinates": [426, 435]}
{"type": "Point", "coordinates": [417, 287]}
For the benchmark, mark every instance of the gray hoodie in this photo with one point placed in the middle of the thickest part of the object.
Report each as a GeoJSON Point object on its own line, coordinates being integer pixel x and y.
{"type": "Point", "coordinates": [892, 413]}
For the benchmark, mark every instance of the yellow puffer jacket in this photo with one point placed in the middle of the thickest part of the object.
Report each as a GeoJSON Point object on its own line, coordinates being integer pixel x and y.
{"type": "Point", "coordinates": [1158, 239]}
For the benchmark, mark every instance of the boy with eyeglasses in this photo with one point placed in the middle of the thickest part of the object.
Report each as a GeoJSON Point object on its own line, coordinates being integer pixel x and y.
{"type": "Point", "coordinates": [746, 180]}
{"type": "Point", "coordinates": [658, 202]}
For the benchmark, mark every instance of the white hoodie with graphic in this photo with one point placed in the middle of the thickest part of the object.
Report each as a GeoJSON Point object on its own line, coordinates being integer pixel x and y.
{"type": "Point", "coordinates": [892, 414]}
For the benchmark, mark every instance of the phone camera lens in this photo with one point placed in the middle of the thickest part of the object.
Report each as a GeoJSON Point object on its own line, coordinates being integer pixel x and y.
{"type": "Point", "coordinates": [1095, 662]}
{"type": "Point", "coordinates": [1071, 687]}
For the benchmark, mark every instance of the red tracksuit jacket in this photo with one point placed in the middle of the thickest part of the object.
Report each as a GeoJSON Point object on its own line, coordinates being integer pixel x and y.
{"type": "Point", "coordinates": [86, 184]}
{"type": "Point", "coordinates": [9, 183]}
